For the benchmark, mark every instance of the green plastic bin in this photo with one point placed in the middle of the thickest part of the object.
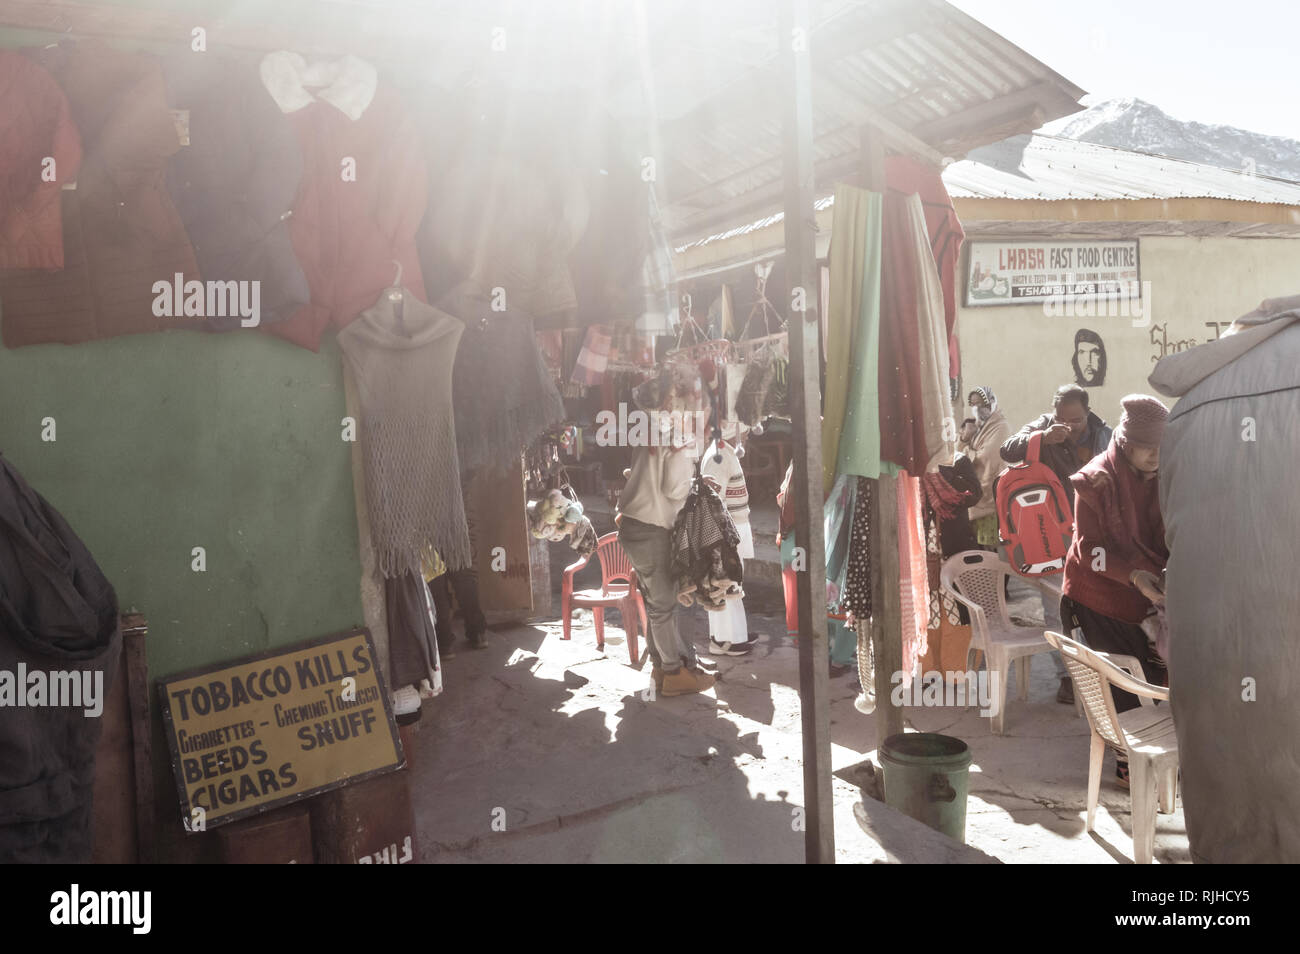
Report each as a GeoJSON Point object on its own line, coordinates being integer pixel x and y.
{"type": "Point", "coordinates": [927, 777]}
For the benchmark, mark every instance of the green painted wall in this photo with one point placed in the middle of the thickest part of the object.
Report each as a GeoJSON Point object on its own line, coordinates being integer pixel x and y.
{"type": "Point", "coordinates": [171, 441]}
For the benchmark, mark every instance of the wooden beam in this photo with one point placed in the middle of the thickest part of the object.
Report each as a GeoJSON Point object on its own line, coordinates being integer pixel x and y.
{"type": "Point", "coordinates": [383, 34]}
{"type": "Point", "coordinates": [886, 597]}
{"type": "Point", "coordinates": [805, 397]}
{"type": "Point", "coordinates": [135, 670]}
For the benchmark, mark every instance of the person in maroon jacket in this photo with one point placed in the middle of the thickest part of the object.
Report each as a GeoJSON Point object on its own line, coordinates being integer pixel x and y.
{"type": "Point", "coordinates": [1114, 569]}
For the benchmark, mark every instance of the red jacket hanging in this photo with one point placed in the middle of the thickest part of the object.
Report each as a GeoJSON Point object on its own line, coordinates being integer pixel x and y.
{"type": "Point", "coordinates": [35, 124]}
{"type": "Point", "coordinates": [362, 193]}
{"type": "Point", "coordinates": [121, 233]}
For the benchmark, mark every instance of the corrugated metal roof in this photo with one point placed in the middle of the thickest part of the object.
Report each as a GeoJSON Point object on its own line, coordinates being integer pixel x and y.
{"type": "Point", "coordinates": [1051, 168]}
{"type": "Point", "coordinates": [920, 69]}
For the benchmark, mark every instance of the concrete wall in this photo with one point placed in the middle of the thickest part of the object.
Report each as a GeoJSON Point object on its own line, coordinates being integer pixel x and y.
{"type": "Point", "coordinates": [1024, 354]}
{"type": "Point", "coordinates": [171, 441]}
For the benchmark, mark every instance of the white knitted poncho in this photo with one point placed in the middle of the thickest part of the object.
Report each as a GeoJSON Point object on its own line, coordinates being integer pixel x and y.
{"type": "Point", "coordinates": [407, 431]}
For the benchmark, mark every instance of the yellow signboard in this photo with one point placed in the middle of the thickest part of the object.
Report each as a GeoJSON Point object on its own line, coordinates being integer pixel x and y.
{"type": "Point", "coordinates": [278, 727]}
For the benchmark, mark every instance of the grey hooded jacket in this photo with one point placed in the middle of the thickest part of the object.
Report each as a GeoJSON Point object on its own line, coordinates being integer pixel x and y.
{"type": "Point", "coordinates": [1232, 523]}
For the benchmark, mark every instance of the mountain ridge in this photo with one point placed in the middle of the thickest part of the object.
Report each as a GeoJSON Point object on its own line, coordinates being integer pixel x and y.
{"type": "Point", "coordinates": [1134, 124]}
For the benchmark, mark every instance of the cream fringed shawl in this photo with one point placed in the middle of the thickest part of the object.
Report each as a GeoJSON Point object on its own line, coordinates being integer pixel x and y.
{"type": "Point", "coordinates": [407, 432]}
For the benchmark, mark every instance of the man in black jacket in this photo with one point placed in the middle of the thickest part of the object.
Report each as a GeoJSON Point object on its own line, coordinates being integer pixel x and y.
{"type": "Point", "coordinates": [1072, 436]}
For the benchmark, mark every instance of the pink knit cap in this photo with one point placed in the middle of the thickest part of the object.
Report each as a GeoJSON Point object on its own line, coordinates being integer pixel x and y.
{"type": "Point", "coordinates": [1143, 420]}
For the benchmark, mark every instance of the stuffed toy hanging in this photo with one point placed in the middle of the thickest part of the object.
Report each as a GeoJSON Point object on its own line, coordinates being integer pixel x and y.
{"type": "Point", "coordinates": [557, 516]}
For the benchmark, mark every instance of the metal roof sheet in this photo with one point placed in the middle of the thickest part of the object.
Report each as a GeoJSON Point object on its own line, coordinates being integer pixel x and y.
{"type": "Point", "coordinates": [921, 70]}
{"type": "Point", "coordinates": [1050, 168]}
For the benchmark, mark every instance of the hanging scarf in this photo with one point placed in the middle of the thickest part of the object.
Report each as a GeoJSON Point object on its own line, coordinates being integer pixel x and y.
{"type": "Point", "coordinates": [1114, 490]}
{"type": "Point", "coordinates": [408, 437]}
{"type": "Point", "coordinates": [944, 499]}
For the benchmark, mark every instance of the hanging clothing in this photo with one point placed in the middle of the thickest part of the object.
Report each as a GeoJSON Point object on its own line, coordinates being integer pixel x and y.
{"type": "Point", "coordinates": [851, 415]}
{"type": "Point", "coordinates": [362, 191]}
{"type": "Point", "coordinates": [935, 409]}
{"type": "Point", "coordinates": [705, 547]}
{"type": "Point", "coordinates": [35, 125]}
{"type": "Point", "coordinates": [505, 399]}
{"type": "Point", "coordinates": [731, 478]}
{"type": "Point", "coordinates": [913, 574]}
{"type": "Point", "coordinates": [508, 199]}
{"type": "Point", "coordinates": [593, 359]}
{"type": "Point", "coordinates": [412, 633]}
{"type": "Point", "coordinates": [403, 373]}
{"type": "Point", "coordinates": [902, 425]}
{"type": "Point", "coordinates": [857, 574]}
{"type": "Point", "coordinates": [121, 233]}
{"type": "Point", "coordinates": [58, 613]}
{"type": "Point", "coordinates": [909, 175]}
{"type": "Point", "coordinates": [658, 277]}
{"type": "Point", "coordinates": [949, 493]}
{"type": "Point", "coordinates": [235, 183]}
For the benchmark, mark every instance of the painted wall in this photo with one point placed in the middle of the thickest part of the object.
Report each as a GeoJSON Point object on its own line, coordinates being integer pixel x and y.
{"type": "Point", "coordinates": [171, 441]}
{"type": "Point", "coordinates": [1025, 354]}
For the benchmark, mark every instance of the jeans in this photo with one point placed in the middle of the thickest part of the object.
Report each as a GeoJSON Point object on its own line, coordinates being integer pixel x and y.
{"type": "Point", "coordinates": [649, 549]}
{"type": "Point", "coordinates": [1052, 621]}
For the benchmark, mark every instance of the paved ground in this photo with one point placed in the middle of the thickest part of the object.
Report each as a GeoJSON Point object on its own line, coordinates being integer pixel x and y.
{"type": "Point", "coordinates": [547, 750]}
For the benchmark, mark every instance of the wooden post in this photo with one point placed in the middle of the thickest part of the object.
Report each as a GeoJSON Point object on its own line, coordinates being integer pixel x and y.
{"type": "Point", "coordinates": [886, 600]}
{"type": "Point", "coordinates": [805, 398]}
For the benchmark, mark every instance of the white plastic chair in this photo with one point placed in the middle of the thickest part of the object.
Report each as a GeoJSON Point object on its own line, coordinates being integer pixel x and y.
{"type": "Point", "coordinates": [1145, 735]}
{"type": "Point", "coordinates": [977, 579]}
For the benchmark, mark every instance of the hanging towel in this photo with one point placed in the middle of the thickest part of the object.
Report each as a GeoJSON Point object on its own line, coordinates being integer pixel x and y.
{"type": "Point", "coordinates": [850, 422]}
{"type": "Point", "coordinates": [408, 433]}
{"type": "Point", "coordinates": [935, 408]}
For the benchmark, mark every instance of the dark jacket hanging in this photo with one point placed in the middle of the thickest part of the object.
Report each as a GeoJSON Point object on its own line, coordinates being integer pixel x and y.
{"type": "Point", "coordinates": [58, 613]}
{"type": "Point", "coordinates": [235, 183]}
{"type": "Point", "coordinates": [504, 396]}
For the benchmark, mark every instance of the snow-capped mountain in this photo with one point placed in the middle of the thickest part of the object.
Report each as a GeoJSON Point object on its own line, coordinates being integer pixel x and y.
{"type": "Point", "coordinates": [1141, 127]}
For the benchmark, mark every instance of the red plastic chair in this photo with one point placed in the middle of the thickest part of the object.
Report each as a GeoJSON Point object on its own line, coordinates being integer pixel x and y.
{"type": "Point", "coordinates": [617, 589]}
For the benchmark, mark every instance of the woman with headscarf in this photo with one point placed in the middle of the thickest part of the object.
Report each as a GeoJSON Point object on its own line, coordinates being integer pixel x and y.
{"type": "Point", "coordinates": [1114, 570]}
{"type": "Point", "coordinates": [981, 439]}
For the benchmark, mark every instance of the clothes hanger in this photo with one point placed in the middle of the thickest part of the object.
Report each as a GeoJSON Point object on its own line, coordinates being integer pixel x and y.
{"type": "Point", "coordinates": [396, 296]}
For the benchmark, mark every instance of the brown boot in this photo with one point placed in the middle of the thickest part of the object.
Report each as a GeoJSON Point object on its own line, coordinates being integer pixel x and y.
{"type": "Point", "coordinates": [685, 681]}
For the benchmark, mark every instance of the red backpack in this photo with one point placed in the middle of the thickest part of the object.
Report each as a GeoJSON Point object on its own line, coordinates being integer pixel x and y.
{"type": "Point", "coordinates": [1035, 525]}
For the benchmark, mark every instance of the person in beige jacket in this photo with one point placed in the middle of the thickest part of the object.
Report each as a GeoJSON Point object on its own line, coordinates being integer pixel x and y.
{"type": "Point", "coordinates": [981, 441]}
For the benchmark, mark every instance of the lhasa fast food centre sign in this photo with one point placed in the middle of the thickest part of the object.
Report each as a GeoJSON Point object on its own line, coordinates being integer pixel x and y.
{"type": "Point", "coordinates": [278, 727]}
{"type": "Point", "coordinates": [1016, 272]}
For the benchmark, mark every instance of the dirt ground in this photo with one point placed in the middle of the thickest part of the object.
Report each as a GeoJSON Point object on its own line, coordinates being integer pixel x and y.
{"type": "Point", "coordinates": [546, 750]}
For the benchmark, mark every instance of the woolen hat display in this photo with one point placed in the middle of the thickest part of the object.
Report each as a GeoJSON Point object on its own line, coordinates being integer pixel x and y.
{"type": "Point", "coordinates": [1143, 420]}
